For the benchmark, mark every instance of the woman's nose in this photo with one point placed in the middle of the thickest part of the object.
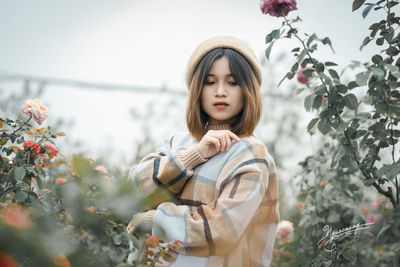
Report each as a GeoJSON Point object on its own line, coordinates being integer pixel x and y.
{"type": "Point", "coordinates": [220, 90]}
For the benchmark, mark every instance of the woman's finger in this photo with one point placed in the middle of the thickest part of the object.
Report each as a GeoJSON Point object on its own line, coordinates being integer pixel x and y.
{"type": "Point", "coordinates": [228, 142]}
{"type": "Point", "coordinates": [222, 140]}
{"type": "Point", "coordinates": [233, 136]}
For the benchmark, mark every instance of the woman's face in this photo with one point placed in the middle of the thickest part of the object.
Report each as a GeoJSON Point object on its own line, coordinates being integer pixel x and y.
{"type": "Point", "coordinates": [221, 96]}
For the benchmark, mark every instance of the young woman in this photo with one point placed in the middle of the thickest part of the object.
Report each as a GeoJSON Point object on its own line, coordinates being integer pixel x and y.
{"type": "Point", "coordinates": [223, 177]}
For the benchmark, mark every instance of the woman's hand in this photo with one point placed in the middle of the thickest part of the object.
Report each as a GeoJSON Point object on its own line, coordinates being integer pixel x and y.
{"type": "Point", "coordinates": [216, 141]}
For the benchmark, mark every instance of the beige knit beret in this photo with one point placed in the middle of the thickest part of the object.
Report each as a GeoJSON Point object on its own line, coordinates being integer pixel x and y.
{"type": "Point", "coordinates": [226, 42]}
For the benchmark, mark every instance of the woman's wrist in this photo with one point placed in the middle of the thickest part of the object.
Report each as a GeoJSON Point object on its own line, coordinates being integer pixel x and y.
{"type": "Point", "coordinates": [191, 157]}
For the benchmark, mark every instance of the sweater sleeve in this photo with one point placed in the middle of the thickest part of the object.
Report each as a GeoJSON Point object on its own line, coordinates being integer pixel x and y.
{"type": "Point", "coordinates": [166, 166]}
{"type": "Point", "coordinates": [214, 228]}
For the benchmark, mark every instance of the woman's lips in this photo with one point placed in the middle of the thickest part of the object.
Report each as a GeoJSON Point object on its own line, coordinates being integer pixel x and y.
{"type": "Point", "coordinates": [221, 105]}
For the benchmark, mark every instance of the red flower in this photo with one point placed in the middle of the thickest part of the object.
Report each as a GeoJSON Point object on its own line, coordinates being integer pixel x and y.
{"type": "Point", "coordinates": [52, 149]}
{"type": "Point", "coordinates": [277, 7]}
{"type": "Point", "coordinates": [30, 144]}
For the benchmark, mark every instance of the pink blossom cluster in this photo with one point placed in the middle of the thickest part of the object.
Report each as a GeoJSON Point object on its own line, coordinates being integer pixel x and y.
{"type": "Point", "coordinates": [277, 7]}
{"type": "Point", "coordinates": [285, 229]}
{"type": "Point", "coordinates": [35, 109]}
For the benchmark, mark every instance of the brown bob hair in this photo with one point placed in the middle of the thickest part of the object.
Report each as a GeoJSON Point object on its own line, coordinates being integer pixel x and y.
{"type": "Point", "coordinates": [242, 72]}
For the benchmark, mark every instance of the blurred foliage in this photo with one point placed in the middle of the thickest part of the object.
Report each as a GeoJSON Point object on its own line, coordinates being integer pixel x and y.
{"type": "Point", "coordinates": [58, 210]}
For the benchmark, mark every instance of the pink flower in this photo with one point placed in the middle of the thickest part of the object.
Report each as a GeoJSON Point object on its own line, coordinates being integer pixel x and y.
{"type": "Point", "coordinates": [375, 205]}
{"type": "Point", "coordinates": [277, 7]}
{"type": "Point", "coordinates": [377, 218]}
{"type": "Point", "coordinates": [300, 205]}
{"type": "Point", "coordinates": [389, 205]}
{"type": "Point", "coordinates": [285, 229]}
{"type": "Point", "coordinates": [35, 109]}
{"type": "Point", "coordinates": [300, 76]}
{"type": "Point", "coordinates": [30, 144]}
{"type": "Point", "coordinates": [370, 218]}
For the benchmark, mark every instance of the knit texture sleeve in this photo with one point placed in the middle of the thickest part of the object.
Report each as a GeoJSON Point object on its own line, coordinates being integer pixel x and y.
{"type": "Point", "coordinates": [166, 167]}
{"type": "Point", "coordinates": [214, 228]}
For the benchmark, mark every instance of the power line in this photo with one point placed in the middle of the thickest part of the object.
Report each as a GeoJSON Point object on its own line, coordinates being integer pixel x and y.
{"type": "Point", "coordinates": [44, 81]}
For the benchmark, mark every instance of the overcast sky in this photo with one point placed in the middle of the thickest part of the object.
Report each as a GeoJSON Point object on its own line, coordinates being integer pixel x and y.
{"type": "Point", "coordinates": [144, 43]}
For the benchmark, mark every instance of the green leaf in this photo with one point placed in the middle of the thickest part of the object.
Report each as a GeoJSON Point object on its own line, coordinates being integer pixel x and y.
{"type": "Point", "coordinates": [19, 174]}
{"type": "Point", "coordinates": [324, 126]}
{"type": "Point", "coordinates": [365, 42]}
{"type": "Point", "coordinates": [327, 41]}
{"type": "Point", "coordinates": [275, 33]}
{"type": "Point", "coordinates": [396, 74]}
{"type": "Point", "coordinates": [383, 229]}
{"type": "Point", "coordinates": [378, 72]}
{"type": "Point", "coordinates": [366, 11]}
{"type": "Point", "coordinates": [377, 59]}
{"type": "Point", "coordinates": [312, 38]}
{"type": "Point", "coordinates": [268, 50]}
{"type": "Point", "coordinates": [307, 73]}
{"type": "Point", "coordinates": [352, 85]}
{"type": "Point", "coordinates": [284, 77]}
{"type": "Point", "coordinates": [20, 196]}
{"type": "Point", "coordinates": [330, 64]}
{"type": "Point", "coordinates": [302, 55]}
{"type": "Point", "coordinates": [308, 101]}
{"type": "Point", "coordinates": [334, 74]}
{"type": "Point", "coordinates": [380, 41]}
{"type": "Point", "coordinates": [294, 67]}
{"type": "Point", "coordinates": [391, 68]}
{"type": "Point", "coordinates": [357, 4]}
{"type": "Point", "coordinates": [369, 182]}
{"type": "Point", "coordinates": [312, 123]}
{"type": "Point", "coordinates": [362, 78]}
{"type": "Point", "coordinates": [350, 101]}
{"type": "Point", "coordinates": [320, 67]}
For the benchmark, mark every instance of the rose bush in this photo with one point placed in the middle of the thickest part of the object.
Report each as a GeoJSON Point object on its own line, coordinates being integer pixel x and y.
{"type": "Point", "coordinates": [59, 211]}
{"type": "Point", "coordinates": [359, 148]}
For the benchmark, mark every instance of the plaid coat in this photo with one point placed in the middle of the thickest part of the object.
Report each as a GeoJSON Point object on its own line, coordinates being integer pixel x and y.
{"type": "Point", "coordinates": [226, 211]}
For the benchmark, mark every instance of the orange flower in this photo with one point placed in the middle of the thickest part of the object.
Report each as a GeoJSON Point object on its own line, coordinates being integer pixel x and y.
{"type": "Point", "coordinates": [90, 209]}
{"type": "Point", "coordinates": [7, 261]}
{"type": "Point", "coordinates": [151, 241]}
{"type": "Point", "coordinates": [52, 149]}
{"type": "Point", "coordinates": [101, 169]}
{"type": "Point", "coordinates": [62, 261]}
{"type": "Point", "coordinates": [308, 197]}
{"type": "Point", "coordinates": [379, 249]}
{"type": "Point", "coordinates": [60, 180]}
{"type": "Point", "coordinates": [323, 183]}
{"type": "Point", "coordinates": [16, 216]}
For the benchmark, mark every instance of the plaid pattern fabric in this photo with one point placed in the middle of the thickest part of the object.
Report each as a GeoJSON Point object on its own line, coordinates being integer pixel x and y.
{"type": "Point", "coordinates": [226, 211]}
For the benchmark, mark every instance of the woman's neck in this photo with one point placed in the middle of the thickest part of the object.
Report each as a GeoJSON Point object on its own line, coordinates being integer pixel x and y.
{"type": "Point", "coordinates": [222, 125]}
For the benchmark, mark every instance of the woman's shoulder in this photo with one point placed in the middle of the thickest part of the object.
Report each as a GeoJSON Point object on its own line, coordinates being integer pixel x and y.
{"type": "Point", "coordinates": [254, 148]}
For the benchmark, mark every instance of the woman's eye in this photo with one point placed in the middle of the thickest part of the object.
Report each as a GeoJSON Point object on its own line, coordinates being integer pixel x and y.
{"type": "Point", "coordinates": [210, 82]}
{"type": "Point", "coordinates": [233, 83]}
